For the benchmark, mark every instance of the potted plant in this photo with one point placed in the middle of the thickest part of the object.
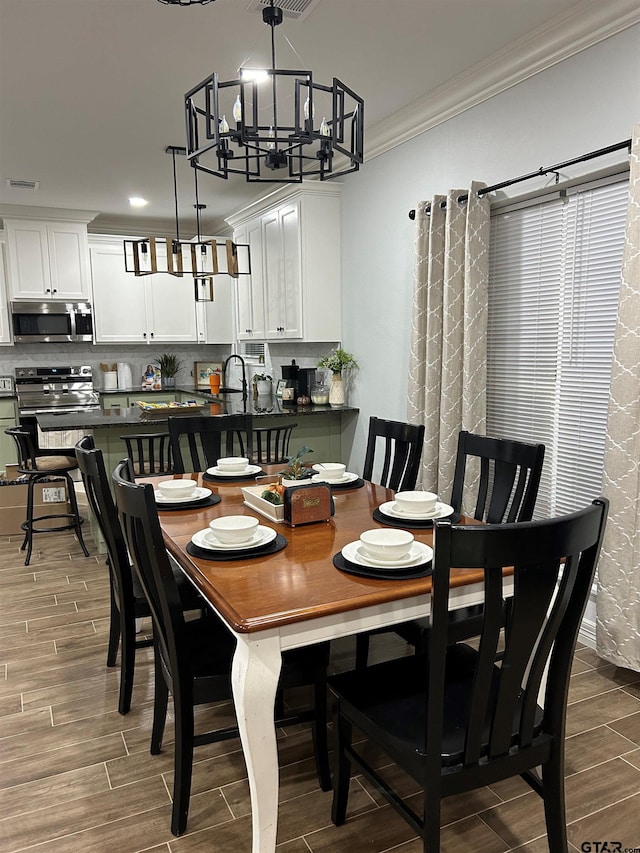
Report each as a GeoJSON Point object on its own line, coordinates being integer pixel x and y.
{"type": "Point", "coordinates": [169, 365]}
{"type": "Point", "coordinates": [336, 362]}
{"type": "Point", "coordinates": [296, 469]}
{"type": "Point", "coordinates": [262, 383]}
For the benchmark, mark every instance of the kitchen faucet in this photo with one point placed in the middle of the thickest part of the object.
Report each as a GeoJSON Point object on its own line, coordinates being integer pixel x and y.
{"type": "Point", "coordinates": [244, 376]}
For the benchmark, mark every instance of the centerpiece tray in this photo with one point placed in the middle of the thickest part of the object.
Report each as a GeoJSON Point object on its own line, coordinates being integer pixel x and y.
{"type": "Point", "coordinates": [163, 409]}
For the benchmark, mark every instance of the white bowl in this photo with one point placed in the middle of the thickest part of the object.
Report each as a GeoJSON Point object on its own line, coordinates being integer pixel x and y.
{"type": "Point", "coordinates": [416, 503]}
{"type": "Point", "coordinates": [233, 464]}
{"type": "Point", "coordinates": [177, 488]}
{"type": "Point", "coordinates": [330, 470]}
{"type": "Point", "coordinates": [234, 529]}
{"type": "Point", "coordinates": [386, 544]}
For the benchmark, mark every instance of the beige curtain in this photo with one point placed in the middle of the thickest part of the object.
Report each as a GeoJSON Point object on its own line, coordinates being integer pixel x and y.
{"type": "Point", "coordinates": [447, 362]}
{"type": "Point", "coordinates": [618, 598]}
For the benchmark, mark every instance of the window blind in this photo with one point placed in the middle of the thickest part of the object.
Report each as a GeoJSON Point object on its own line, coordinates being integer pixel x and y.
{"type": "Point", "coordinates": [554, 275]}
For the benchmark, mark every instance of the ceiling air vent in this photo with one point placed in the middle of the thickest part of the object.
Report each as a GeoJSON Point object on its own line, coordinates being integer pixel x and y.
{"type": "Point", "coordinates": [298, 9]}
{"type": "Point", "coordinates": [22, 185]}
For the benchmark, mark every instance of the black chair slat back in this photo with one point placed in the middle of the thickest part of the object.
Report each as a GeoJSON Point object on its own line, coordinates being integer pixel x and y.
{"type": "Point", "coordinates": [402, 453]}
{"type": "Point", "coordinates": [197, 442]}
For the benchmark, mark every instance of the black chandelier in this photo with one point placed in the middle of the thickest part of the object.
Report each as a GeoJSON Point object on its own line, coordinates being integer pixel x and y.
{"type": "Point", "coordinates": [186, 2]}
{"type": "Point", "coordinates": [272, 133]}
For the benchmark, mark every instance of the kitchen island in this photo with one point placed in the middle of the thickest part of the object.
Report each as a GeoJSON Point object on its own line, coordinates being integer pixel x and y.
{"type": "Point", "coordinates": [327, 431]}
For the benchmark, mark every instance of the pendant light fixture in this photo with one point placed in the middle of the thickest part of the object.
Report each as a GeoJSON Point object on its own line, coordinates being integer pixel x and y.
{"type": "Point", "coordinates": [200, 258]}
{"type": "Point", "coordinates": [273, 125]}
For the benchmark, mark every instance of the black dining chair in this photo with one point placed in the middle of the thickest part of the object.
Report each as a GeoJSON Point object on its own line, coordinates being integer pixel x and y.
{"type": "Point", "coordinates": [150, 453]}
{"type": "Point", "coordinates": [198, 442]}
{"type": "Point", "coordinates": [271, 444]}
{"type": "Point", "coordinates": [507, 484]}
{"type": "Point", "coordinates": [453, 718]}
{"type": "Point", "coordinates": [193, 658]}
{"type": "Point", "coordinates": [127, 599]}
{"type": "Point", "coordinates": [402, 444]}
{"type": "Point", "coordinates": [402, 452]}
{"type": "Point", "coordinates": [505, 489]}
{"type": "Point", "coordinates": [37, 464]}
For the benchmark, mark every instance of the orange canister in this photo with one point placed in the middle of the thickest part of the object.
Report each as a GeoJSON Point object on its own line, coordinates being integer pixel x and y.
{"type": "Point", "coordinates": [214, 383]}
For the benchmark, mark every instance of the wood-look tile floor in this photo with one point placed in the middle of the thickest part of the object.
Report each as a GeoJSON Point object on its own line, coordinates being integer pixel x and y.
{"type": "Point", "coordinates": [77, 776]}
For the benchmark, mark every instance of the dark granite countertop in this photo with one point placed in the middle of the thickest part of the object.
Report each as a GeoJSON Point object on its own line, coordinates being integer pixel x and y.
{"type": "Point", "coordinates": [231, 404]}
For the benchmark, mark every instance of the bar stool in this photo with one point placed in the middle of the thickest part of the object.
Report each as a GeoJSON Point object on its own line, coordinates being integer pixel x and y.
{"type": "Point", "coordinates": [37, 465]}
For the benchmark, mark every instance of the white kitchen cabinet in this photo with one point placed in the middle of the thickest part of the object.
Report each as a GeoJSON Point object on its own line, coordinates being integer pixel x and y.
{"type": "Point", "coordinates": [5, 329]}
{"type": "Point", "coordinates": [158, 308]}
{"type": "Point", "coordinates": [295, 291]}
{"type": "Point", "coordinates": [250, 289]}
{"type": "Point", "coordinates": [48, 260]}
{"type": "Point", "coordinates": [215, 319]}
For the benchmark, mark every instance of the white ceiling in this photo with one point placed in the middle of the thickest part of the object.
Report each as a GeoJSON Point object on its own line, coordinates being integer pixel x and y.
{"type": "Point", "coordinates": [91, 91]}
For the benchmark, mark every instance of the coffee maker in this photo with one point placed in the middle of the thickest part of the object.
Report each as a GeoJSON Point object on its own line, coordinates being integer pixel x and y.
{"type": "Point", "coordinates": [301, 379]}
{"type": "Point", "coordinates": [290, 375]}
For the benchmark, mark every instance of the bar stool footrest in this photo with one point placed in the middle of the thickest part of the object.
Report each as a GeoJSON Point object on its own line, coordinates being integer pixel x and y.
{"type": "Point", "coordinates": [70, 526]}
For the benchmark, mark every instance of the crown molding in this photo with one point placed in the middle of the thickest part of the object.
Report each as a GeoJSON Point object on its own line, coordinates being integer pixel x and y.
{"type": "Point", "coordinates": [583, 26]}
{"type": "Point", "coordinates": [58, 214]}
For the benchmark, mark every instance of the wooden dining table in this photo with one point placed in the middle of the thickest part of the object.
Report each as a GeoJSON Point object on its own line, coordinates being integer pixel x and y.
{"type": "Point", "coordinates": [291, 599]}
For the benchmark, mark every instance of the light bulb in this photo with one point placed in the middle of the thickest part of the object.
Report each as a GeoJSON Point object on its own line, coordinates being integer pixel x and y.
{"type": "Point", "coordinates": [237, 109]}
{"type": "Point", "coordinates": [324, 128]}
{"type": "Point", "coordinates": [224, 125]}
{"type": "Point", "coordinates": [306, 110]}
{"type": "Point", "coordinates": [271, 145]}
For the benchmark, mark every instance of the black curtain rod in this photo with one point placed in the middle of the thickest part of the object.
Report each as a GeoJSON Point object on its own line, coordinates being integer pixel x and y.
{"type": "Point", "coordinates": [542, 171]}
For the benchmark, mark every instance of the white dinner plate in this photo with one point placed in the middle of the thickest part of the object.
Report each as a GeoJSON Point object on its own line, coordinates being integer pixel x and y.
{"type": "Point", "coordinates": [337, 481]}
{"type": "Point", "coordinates": [418, 553]}
{"type": "Point", "coordinates": [391, 509]}
{"type": "Point", "coordinates": [197, 495]}
{"type": "Point", "coordinates": [250, 469]}
{"type": "Point", "coordinates": [207, 539]}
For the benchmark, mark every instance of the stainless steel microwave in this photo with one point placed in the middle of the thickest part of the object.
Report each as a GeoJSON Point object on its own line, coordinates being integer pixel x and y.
{"type": "Point", "coordinates": [51, 322]}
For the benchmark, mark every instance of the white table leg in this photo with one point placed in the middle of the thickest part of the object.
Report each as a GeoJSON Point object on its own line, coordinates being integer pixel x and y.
{"type": "Point", "coordinates": [255, 674]}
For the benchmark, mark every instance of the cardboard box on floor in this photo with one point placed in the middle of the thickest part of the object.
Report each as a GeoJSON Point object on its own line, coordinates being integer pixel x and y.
{"type": "Point", "coordinates": [49, 498]}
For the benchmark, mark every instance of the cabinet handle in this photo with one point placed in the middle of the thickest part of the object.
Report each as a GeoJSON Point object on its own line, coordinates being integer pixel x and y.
{"type": "Point", "coordinates": [151, 334]}
{"type": "Point", "coordinates": [248, 331]}
{"type": "Point", "coordinates": [144, 334]}
{"type": "Point", "coordinates": [55, 290]}
{"type": "Point", "coordinates": [48, 290]}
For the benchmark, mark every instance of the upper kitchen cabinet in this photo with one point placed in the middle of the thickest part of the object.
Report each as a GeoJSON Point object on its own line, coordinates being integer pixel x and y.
{"type": "Point", "coordinates": [158, 308]}
{"type": "Point", "coordinates": [294, 292]}
{"type": "Point", "coordinates": [48, 260]}
{"type": "Point", "coordinates": [5, 332]}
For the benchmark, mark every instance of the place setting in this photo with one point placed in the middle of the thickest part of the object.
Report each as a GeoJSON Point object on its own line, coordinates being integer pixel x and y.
{"type": "Point", "coordinates": [235, 537]}
{"type": "Point", "coordinates": [183, 494]}
{"type": "Point", "coordinates": [231, 468]}
{"type": "Point", "coordinates": [385, 554]}
{"type": "Point", "coordinates": [414, 509]}
{"type": "Point", "coordinates": [336, 476]}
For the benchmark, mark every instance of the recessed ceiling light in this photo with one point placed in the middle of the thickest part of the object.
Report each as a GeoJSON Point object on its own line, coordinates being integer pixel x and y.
{"type": "Point", "coordinates": [135, 201]}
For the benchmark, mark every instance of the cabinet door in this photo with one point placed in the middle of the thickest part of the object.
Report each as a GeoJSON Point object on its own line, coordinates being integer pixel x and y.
{"type": "Point", "coordinates": [119, 304]}
{"type": "Point", "coordinates": [171, 308]}
{"type": "Point", "coordinates": [29, 276]}
{"type": "Point", "coordinates": [217, 316]}
{"type": "Point", "coordinates": [281, 248]}
{"type": "Point", "coordinates": [5, 329]}
{"type": "Point", "coordinates": [250, 297]}
{"type": "Point", "coordinates": [68, 260]}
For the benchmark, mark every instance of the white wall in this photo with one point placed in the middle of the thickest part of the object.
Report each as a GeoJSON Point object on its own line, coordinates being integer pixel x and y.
{"type": "Point", "coordinates": [582, 104]}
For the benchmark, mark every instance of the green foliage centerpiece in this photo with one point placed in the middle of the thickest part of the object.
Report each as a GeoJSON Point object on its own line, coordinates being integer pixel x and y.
{"type": "Point", "coordinates": [336, 362]}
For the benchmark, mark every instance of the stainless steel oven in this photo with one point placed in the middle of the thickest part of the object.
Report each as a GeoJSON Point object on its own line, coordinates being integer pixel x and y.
{"type": "Point", "coordinates": [51, 322]}
{"type": "Point", "coordinates": [55, 389]}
